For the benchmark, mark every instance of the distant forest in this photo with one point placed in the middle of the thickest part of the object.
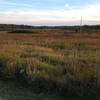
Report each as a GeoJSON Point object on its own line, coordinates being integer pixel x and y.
{"type": "Point", "coordinates": [9, 27]}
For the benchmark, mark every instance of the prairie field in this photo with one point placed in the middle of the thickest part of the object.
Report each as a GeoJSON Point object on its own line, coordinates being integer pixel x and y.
{"type": "Point", "coordinates": [51, 61]}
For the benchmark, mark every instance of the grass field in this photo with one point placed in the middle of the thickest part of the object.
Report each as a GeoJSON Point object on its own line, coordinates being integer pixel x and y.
{"type": "Point", "coordinates": [55, 62]}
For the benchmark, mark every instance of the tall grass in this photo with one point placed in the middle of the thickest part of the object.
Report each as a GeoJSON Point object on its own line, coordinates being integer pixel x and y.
{"type": "Point", "coordinates": [68, 65]}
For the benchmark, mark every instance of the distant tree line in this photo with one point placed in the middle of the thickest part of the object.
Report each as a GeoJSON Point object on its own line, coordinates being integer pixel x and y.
{"type": "Point", "coordinates": [9, 27]}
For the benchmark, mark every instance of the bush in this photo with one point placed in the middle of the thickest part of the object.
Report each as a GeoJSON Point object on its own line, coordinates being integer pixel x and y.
{"type": "Point", "coordinates": [21, 31]}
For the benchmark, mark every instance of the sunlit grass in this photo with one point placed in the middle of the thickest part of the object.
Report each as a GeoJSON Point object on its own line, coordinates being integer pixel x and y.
{"type": "Point", "coordinates": [59, 59]}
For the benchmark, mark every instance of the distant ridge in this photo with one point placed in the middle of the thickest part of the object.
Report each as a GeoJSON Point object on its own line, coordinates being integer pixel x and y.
{"type": "Point", "coordinates": [8, 27]}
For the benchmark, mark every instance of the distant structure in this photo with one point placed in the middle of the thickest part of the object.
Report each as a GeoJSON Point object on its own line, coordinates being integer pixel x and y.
{"type": "Point", "coordinates": [79, 29]}
{"type": "Point", "coordinates": [81, 22]}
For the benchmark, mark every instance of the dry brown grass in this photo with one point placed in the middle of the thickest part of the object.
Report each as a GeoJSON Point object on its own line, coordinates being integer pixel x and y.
{"type": "Point", "coordinates": [60, 58]}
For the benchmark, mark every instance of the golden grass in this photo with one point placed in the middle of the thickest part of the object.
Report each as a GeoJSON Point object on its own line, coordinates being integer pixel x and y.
{"type": "Point", "coordinates": [60, 58]}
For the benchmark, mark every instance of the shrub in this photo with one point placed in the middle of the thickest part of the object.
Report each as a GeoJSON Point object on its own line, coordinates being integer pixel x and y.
{"type": "Point", "coordinates": [21, 31]}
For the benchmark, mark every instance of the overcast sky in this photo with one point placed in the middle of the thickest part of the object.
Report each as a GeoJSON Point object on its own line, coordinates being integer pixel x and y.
{"type": "Point", "coordinates": [49, 12]}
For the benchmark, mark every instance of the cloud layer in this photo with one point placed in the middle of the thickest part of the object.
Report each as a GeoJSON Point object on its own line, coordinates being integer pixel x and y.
{"type": "Point", "coordinates": [68, 15]}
